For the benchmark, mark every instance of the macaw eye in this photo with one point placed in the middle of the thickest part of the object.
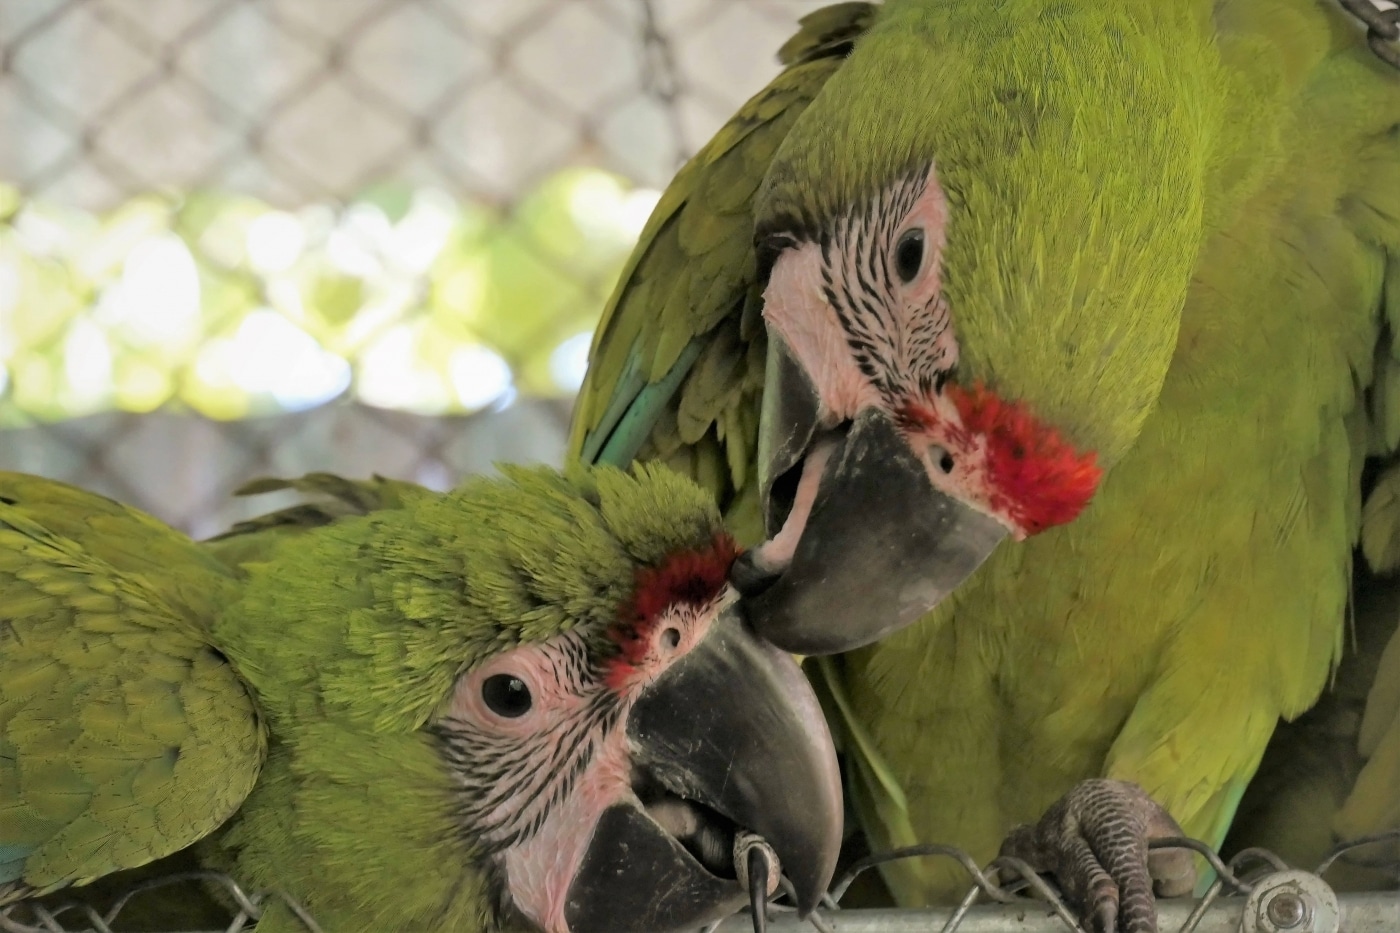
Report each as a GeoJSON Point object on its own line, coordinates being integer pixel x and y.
{"type": "Point", "coordinates": [909, 254]}
{"type": "Point", "coordinates": [940, 456]}
{"type": "Point", "coordinates": [506, 695]}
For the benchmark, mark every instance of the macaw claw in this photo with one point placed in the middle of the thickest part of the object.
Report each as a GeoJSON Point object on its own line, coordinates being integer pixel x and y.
{"type": "Point", "coordinates": [1094, 841]}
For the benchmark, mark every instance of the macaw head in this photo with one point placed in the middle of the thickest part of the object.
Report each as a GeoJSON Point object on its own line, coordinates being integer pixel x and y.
{"type": "Point", "coordinates": [543, 684]}
{"type": "Point", "coordinates": [975, 254]}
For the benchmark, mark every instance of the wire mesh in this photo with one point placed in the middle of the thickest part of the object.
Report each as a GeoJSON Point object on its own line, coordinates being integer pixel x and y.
{"type": "Point", "coordinates": [218, 215]}
{"type": "Point", "coordinates": [1005, 894]}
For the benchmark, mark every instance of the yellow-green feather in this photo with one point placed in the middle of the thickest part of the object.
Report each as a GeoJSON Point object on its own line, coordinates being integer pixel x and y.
{"type": "Point", "coordinates": [328, 498]}
{"type": "Point", "coordinates": [1334, 774]}
{"type": "Point", "coordinates": [123, 736]}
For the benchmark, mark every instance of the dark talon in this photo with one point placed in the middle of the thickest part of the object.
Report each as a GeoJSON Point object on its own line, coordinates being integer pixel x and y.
{"type": "Point", "coordinates": [1094, 840]}
{"type": "Point", "coordinates": [1106, 917]}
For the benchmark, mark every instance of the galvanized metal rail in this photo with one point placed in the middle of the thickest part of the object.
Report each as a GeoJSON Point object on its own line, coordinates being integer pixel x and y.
{"type": "Point", "coordinates": [1316, 910]}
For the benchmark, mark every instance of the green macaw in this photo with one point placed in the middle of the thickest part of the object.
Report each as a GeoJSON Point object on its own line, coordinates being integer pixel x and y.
{"type": "Point", "coordinates": [1117, 279]}
{"type": "Point", "coordinates": [526, 704]}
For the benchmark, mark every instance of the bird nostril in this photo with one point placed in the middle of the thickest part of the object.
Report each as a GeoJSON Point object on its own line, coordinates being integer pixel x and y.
{"type": "Point", "coordinates": [749, 577]}
{"type": "Point", "coordinates": [671, 638]}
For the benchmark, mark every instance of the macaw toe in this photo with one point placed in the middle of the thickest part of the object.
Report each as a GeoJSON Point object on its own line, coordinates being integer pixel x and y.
{"type": "Point", "coordinates": [1094, 841]}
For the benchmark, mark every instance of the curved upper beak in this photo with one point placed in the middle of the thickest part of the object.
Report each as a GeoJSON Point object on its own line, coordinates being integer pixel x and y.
{"type": "Point", "coordinates": [868, 545]}
{"type": "Point", "coordinates": [730, 737]}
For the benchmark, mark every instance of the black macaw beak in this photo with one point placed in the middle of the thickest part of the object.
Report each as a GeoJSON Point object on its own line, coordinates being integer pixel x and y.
{"type": "Point", "coordinates": [729, 738]}
{"type": "Point", "coordinates": [877, 546]}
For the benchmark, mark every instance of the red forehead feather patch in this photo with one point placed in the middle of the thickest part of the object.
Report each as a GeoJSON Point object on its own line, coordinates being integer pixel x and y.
{"type": "Point", "coordinates": [690, 578]}
{"type": "Point", "coordinates": [1039, 479]}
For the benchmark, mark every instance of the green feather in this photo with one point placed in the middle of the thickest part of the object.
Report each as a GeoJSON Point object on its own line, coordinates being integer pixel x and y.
{"type": "Point", "coordinates": [110, 757]}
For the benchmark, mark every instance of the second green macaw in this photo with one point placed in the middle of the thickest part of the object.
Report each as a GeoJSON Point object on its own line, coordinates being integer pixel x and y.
{"type": "Point", "coordinates": [528, 704]}
{"type": "Point", "coordinates": [1116, 279]}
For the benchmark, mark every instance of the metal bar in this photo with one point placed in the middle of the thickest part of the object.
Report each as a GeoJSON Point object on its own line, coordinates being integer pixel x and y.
{"type": "Point", "coordinates": [1361, 913]}
{"type": "Point", "coordinates": [1372, 912]}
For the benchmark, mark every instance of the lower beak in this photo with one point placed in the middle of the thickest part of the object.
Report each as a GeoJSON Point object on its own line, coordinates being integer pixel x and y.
{"type": "Point", "coordinates": [876, 544]}
{"type": "Point", "coordinates": [729, 738]}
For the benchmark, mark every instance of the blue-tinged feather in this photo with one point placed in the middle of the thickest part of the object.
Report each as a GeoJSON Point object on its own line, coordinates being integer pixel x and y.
{"type": "Point", "coordinates": [629, 385]}
{"type": "Point", "coordinates": [12, 858]}
{"type": "Point", "coordinates": [642, 414]}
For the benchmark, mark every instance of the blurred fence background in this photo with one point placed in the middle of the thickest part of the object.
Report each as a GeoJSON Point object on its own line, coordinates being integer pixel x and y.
{"type": "Point", "coordinates": [251, 237]}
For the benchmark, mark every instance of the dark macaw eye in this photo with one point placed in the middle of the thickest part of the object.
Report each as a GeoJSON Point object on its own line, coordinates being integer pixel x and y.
{"type": "Point", "coordinates": [940, 456]}
{"type": "Point", "coordinates": [506, 695]}
{"type": "Point", "coordinates": [909, 254]}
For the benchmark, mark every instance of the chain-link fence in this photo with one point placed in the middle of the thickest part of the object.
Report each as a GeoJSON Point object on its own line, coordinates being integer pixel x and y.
{"type": "Point", "coordinates": [242, 237]}
{"type": "Point", "coordinates": [1255, 892]}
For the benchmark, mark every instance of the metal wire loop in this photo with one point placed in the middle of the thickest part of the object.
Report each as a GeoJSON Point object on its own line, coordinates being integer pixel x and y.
{"type": "Point", "coordinates": [1343, 849]}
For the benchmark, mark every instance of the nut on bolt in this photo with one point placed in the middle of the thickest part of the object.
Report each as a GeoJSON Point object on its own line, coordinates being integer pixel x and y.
{"type": "Point", "coordinates": [1291, 902]}
{"type": "Point", "coordinates": [1287, 909]}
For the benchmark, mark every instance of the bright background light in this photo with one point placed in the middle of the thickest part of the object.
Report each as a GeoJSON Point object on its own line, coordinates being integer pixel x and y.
{"type": "Point", "coordinates": [438, 308]}
{"type": "Point", "coordinates": [241, 239]}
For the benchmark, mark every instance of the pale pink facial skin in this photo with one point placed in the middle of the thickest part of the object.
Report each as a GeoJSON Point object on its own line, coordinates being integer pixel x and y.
{"type": "Point", "coordinates": [575, 721]}
{"type": "Point", "coordinates": [910, 342]}
{"type": "Point", "coordinates": [906, 324]}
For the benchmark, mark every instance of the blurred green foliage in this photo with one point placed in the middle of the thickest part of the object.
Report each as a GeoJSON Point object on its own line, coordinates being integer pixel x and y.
{"type": "Point", "coordinates": [407, 298]}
